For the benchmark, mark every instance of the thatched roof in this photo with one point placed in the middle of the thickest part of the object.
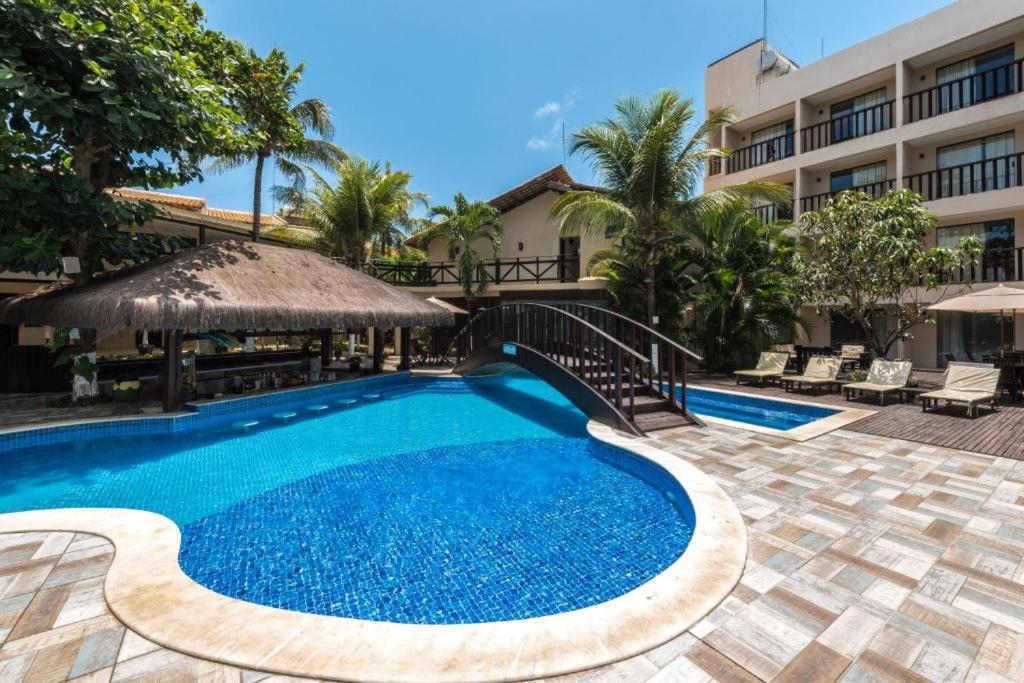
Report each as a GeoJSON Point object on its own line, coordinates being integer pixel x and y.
{"type": "Point", "coordinates": [227, 285]}
{"type": "Point", "coordinates": [455, 310]}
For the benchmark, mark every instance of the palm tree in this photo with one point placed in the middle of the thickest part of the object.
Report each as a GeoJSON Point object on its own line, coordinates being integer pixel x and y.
{"type": "Point", "coordinates": [650, 171]}
{"type": "Point", "coordinates": [743, 281]}
{"type": "Point", "coordinates": [365, 205]}
{"type": "Point", "coordinates": [461, 225]}
{"type": "Point", "coordinates": [262, 90]}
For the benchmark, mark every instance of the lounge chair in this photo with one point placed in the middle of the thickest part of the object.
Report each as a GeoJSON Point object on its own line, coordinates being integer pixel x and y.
{"type": "Point", "coordinates": [770, 365]}
{"type": "Point", "coordinates": [821, 371]}
{"type": "Point", "coordinates": [967, 384]}
{"type": "Point", "coordinates": [884, 377]}
{"type": "Point", "coordinates": [788, 349]}
{"type": "Point", "coordinates": [851, 354]}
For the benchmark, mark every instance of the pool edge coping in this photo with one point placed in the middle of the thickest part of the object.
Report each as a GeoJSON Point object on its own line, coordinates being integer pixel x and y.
{"type": "Point", "coordinates": [843, 417]}
{"type": "Point", "coordinates": [147, 590]}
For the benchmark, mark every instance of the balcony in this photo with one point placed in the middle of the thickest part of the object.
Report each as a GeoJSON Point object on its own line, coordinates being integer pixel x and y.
{"type": "Point", "coordinates": [875, 190]}
{"type": "Point", "coordinates": [848, 127]}
{"type": "Point", "coordinates": [994, 265]}
{"type": "Point", "coordinates": [964, 92]}
{"type": "Point", "coordinates": [432, 274]}
{"type": "Point", "coordinates": [978, 176]}
{"type": "Point", "coordinates": [760, 153]}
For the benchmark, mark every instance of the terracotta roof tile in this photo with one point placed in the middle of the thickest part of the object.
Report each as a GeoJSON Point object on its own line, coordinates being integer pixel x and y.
{"type": "Point", "coordinates": [197, 204]}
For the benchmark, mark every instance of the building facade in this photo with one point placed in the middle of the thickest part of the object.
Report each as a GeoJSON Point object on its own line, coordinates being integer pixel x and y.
{"type": "Point", "coordinates": [935, 105]}
{"type": "Point", "coordinates": [536, 263]}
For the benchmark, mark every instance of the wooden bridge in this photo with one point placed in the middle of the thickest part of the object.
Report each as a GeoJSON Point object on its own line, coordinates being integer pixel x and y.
{"type": "Point", "coordinates": [614, 369]}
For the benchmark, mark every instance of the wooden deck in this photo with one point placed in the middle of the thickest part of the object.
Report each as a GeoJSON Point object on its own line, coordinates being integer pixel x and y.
{"type": "Point", "coordinates": [1000, 433]}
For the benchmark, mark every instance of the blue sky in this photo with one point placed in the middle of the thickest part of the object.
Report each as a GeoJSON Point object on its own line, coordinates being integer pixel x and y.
{"type": "Point", "coordinates": [469, 95]}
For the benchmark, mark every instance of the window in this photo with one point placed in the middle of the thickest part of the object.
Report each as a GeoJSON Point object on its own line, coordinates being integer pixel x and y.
{"type": "Point", "coordinates": [861, 115]}
{"type": "Point", "coordinates": [771, 143]}
{"type": "Point", "coordinates": [977, 166]}
{"type": "Point", "coordinates": [997, 239]}
{"type": "Point", "coordinates": [969, 336]}
{"type": "Point", "coordinates": [976, 79]}
{"type": "Point", "coordinates": [871, 179]}
{"type": "Point", "coordinates": [844, 330]}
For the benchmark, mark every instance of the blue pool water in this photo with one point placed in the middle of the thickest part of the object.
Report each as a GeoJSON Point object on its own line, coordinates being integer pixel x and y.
{"type": "Point", "coordinates": [442, 501]}
{"type": "Point", "coordinates": [754, 410]}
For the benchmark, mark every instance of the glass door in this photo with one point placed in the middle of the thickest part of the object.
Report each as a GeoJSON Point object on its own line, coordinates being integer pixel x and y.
{"type": "Point", "coordinates": [858, 116]}
{"type": "Point", "coordinates": [977, 166]}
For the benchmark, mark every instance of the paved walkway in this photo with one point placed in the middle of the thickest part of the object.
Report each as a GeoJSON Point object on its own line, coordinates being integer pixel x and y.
{"type": "Point", "coordinates": [869, 559]}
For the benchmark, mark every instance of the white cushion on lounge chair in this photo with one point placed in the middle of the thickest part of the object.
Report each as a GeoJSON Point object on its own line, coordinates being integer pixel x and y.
{"type": "Point", "coordinates": [851, 351]}
{"type": "Point", "coordinates": [967, 384]}
{"type": "Point", "coordinates": [884, 376]}
{"type": "Point", "coordinates": [820, 369]}
{"type": "Point", "coordinates": [769, 364]}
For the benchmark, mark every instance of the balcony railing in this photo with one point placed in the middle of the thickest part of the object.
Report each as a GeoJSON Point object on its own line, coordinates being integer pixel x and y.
{"type": "Point", "coordinates": [978, 176]}
{"type": "Point", "coordinates": [714, 165]}
{"type": "Point", "coordinates": [848, 126]}
{"type": "Point", "coordinates": [760, 153]}
{"type": "Point", "coordinates": [964, 92]}
{"type": "Point", "coordinates": [815, 202]}
{"type": "Point", "coordinates": [771, 213]}
{"type": "Point", "coordinates": [994, 265]}
{"type": "Point", "coordinates": [431, 274]}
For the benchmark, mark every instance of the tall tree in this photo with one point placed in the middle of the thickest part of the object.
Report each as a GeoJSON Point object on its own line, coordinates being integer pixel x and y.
{"type": "Point", "coordinates": [365, 205]}
{"type": "Point", "coordinates": [97, 94]}
{"type": "Point", "coordinates": [650, 171]}
{"type": "Point", "coordinates": [463, 224]}
{"type": "Point", "coordinates": [869, 257]}
{"type": "Point", "coordinates": [272, 128]}
{"type": "Point", "coordinates": [743, 282]}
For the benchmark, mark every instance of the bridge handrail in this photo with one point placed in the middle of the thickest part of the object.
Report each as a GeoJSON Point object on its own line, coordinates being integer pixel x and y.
{"type": "Point", "coordinates": [594, 328]}
{"type": "Point", "coordinates": [645, 328]}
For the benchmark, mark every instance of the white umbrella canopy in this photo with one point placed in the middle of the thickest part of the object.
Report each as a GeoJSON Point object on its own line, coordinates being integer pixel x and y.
{"type": "Point", "coordinates": [994, 300]}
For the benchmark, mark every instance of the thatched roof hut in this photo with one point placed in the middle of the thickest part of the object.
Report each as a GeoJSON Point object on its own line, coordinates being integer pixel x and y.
{"type": "Point", "coordinates": [228, 285]}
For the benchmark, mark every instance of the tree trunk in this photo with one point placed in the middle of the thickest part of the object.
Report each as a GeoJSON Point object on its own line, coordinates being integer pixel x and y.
{"type": "Point", "coordinates": [649, 283]}
{"type": "Point", "coordinates": [257, 198]}
{"type": "Point", "coordinates": [80, 386]}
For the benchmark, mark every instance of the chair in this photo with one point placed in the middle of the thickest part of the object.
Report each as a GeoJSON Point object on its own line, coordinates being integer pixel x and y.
{"type": "Point", "coordinates": [419, 356]}
{"type": "Point", "coordinates": [770, 365]}
{"type": "Point", "coordinates": [821, 371]}
{"type": "Point", "coordinates": [788, 349]}
{"type": "Point", "coordinates": [851, 354]}
{"type": "Point", "coordinates": [884, 377]}
{"type": "Point", "coordinates": [972, 385]}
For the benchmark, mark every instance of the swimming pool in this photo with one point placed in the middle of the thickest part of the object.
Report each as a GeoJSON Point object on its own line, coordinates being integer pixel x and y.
{"type": "Point", "coordinates": [427, 501]}
{"type": "Point", "coordinates": [755, 410]}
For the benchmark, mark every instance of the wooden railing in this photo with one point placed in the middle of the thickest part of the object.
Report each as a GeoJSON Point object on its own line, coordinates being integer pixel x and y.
{"type": "Point", "coordinates": [607, 365]}
{"type": "Point", "coordinates": [772, 212]}
{"type": "Point", "coordinates": [432, 273]}
{"type": "Point", "coordinates": [760, 153]}
{"type": "Point", "coordinates": [875, 190]}
{"type": "Point", "coordinates": [964, 92]}
{"type": "Point", "coordinates": [670, 360]}
{"type": "Point", "coordinates": [971, 178]}
{"type": "Point", "coordinates": [994, 265]}
{"type": "Point", "coordinates": [848, 126]}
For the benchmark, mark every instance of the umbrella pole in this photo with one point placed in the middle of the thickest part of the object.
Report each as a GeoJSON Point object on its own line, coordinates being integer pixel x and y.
{"type": "Point", "coordinates": [1001, 335]}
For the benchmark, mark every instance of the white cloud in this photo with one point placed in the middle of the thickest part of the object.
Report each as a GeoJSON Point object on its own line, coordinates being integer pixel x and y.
{"type": "Point", "coordinates": [546, 109]}
{"type": "Point", "coordinates": [557, 110]}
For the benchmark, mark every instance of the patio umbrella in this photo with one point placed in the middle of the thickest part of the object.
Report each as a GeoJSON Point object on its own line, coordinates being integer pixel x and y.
{"type": "Point", "coordinates": [998, 299]}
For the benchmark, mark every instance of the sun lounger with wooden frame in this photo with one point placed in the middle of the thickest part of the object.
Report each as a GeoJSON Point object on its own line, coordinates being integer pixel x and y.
{"type": "Point", "coordinates": [884, 377]}
{"type": "Point", "coordinates": [770, 365]}
{"type": "Point", "coordinates": [821, 371]}
{"type": "Point", "coordinates": [967, 384]}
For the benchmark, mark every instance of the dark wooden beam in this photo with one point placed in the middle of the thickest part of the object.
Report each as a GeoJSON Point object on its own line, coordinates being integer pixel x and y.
{"type": "Point", "coordinates": [326, 348]}
{"type": "Point", "coordinates": [378, 350]}
{"type": "Point", "coordinates": [405, 349]}
{"type": "Point", "coordinates": [172, 371]}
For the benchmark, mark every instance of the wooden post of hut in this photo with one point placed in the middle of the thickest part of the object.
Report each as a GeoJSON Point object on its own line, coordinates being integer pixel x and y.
{"type": "Point", "coordinates": [172, 371]}
{"type": "Point", "coordinates": [378, 351]}
{"type": "Point", "coordinates": [326, 348]}
{"type": "Point", "coordinates": [406, 347]}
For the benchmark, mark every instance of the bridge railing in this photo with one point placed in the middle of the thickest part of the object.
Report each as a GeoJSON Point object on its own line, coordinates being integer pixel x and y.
{"type": "Point", "coordinates": [670, 359]}
{"type": "Point", "coordinates": [606, 364]}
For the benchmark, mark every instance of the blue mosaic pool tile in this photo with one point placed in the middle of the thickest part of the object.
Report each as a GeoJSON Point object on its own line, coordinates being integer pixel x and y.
{"type": "Point", "coordinates": [461, 534]}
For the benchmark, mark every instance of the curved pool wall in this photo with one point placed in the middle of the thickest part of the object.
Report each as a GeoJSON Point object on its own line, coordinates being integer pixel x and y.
{"type": "Point", "coordinates": [463, 501]}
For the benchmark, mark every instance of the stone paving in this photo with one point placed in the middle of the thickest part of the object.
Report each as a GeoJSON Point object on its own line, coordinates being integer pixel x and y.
{"type": "Point", "coordinates": [870, 559]}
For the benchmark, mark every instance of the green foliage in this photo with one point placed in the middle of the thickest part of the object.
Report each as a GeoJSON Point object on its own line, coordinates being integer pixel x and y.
{"type": "Point", "coordinates": [869, 254]}
{"type": "Point", "coordinates": [70, 353]}
{"type": "Point", "coordinates": [743, 283]}
{"type": "Point", "coordinates": [97, 94]}
{"type": "Point", "coordinates": [650, 170]}
{"type": "Point", "coordinates": [461, 224]}
{"type": "Point", "coordinates": [366, 204]}
{"type": "Point", "coordinates": [262, 90]}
